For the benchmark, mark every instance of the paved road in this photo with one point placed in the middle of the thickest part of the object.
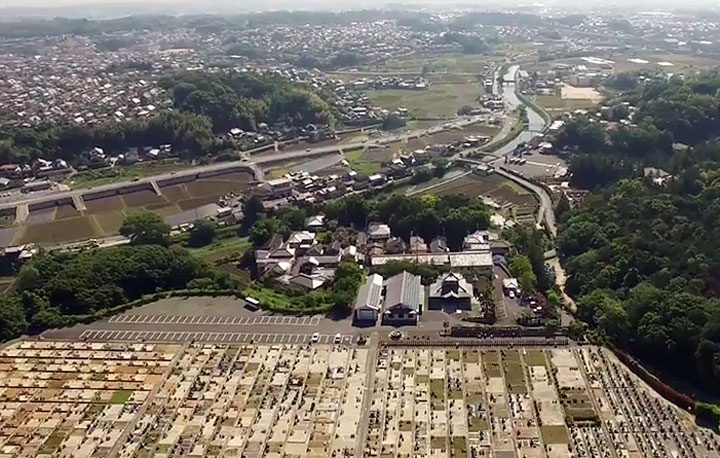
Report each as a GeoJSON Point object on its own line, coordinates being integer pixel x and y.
{"type": "Point", "coordinates": [545, 212]}
{"type": "Point", "coordinates": [262, 159]}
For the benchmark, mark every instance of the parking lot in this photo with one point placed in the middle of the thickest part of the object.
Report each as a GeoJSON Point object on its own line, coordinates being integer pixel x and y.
{"type": "Point", "coordinates": [217, 320]}
{"type": "Point", "coordinates": [214, 337]}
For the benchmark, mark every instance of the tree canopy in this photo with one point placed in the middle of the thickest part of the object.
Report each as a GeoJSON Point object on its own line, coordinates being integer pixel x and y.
{"type": "Point", "coordinates": [53, 287]}
{"type": "Point", "coordinates": [643, 258]}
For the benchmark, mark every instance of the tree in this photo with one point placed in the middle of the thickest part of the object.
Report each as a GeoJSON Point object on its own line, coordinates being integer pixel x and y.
{"type": "Point", "coordinates": [202, 233]}
{"type": "Point", "coordinates": [294, 219]}
{"type": "Point", "coordinates": [521, 268]}
{"type": "Point", "coordinates": [12, 318]}
{"type": "Point", "coordinates": [252, 209]}
{"type": "Point", "coordinates": [145, 229]}
{"type": "Point", "coordinates": [393, 121]}
{"type": "Point", "coordinates": [263, 230]}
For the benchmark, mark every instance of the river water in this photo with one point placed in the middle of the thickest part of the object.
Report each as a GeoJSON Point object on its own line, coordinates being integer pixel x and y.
{"type": "Point", "coordinates": [536, 123]}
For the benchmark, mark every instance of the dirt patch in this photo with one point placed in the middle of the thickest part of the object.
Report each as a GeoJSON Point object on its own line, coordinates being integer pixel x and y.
{"type": "Point", "coordinates": [197, 202]}
{"type": "Point", "coordinates": [66, 211]}
{"type": "Point", "coordinates": [175, 193]}
{"type": "Point", "coordinates": [507, 194]}
{"type": "Point", "coordinates": [201, 188]}
{"type": "Point", "coordinates": [105, 204]}
{"type": "Point", "coordinates": [42, 216]}
{"type": "Point", "coordinates": [109, 222]}
{"type": "Point", "coordinates": [60, 231]}
{"type": "Point", "coordinates": [163, 209]}
{"type": "Point", "coordinates": [142, 198]}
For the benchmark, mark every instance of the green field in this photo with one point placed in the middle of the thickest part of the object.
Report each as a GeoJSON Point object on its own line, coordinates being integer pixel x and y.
{"type": "Point", "coordinates": [221, 248]}
{"type": "Point", "coordinates": [361, 164]}
{"type": "Point", "coordinates": [443, 64]}
{"type": "Point", "coordinates": [439, 101]}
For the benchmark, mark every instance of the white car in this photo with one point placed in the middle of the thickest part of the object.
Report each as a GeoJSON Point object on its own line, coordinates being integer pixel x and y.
{"type": "Point", "coordinates": [511, 294]}
{"type": "Point", "coordinates": [338, 338]}
{"type": "Point", "coordinates": [315, 337]}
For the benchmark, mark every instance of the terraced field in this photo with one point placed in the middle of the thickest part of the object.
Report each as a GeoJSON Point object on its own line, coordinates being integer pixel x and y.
{"type": "Point", "coordinates": [104, 216]}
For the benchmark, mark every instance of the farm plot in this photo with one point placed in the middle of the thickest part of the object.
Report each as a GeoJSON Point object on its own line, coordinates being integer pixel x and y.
{"type": "Point", "coordinates": [62, 230]}
{"type": "Point", "coordinates": [104, 204]}
{"type": "Point", "coordinates": [439, 101]}
{"type": "Point", "coordinates": [66, 211]}
{"type": "Point", "coordinates": [471, 185]}
{"type": "Point", "coordinates": [142, 199]}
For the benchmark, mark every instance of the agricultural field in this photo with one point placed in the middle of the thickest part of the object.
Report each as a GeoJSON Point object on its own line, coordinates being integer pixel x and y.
{"type": "Point", "coordinates": [104, 216]}
{"type": "Point", "coordinates": [441, 100]}
{"type": "Point", "coordinates": [437, 65]}
{"type": "Point", "coordinates": [502, 191]}
{"type": "Point", "coordinates": [556, 105]}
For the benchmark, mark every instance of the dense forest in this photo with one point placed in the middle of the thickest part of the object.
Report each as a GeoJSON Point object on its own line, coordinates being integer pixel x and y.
{"type": "Point", "coordinates": [668, 115]}
{"type": "Point", "coordinates": [643, 258]}
{"type": "Point", "coordinates": [53, 288]}
{"type": "Point", "coordinates": [245, 100]}
{"type": "Point", "coordinates": [191, 136]}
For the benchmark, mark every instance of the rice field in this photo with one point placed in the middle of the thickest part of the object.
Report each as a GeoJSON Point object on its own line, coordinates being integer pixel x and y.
{"type": "Point", "coordinates": [104, 216]}
{"type": "Point", "coordinates": [439, 101]}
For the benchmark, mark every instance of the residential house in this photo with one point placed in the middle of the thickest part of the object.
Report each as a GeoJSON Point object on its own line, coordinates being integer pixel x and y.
{"type": "Point", "coordinates": [369, 300]}
{"type": "Point", "coordinates": [315, 223]}
{"type": "Point", "coordinates": [450, 293]}
{"type": "Point", "coordinates": [404, 299]}
{"type": "Point", "coordinates": [378, 232]}
{"type": "Point", "coordinates": [308, 282]}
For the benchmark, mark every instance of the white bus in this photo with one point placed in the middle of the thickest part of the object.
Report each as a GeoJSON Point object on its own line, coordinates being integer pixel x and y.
{"type": "Point", "coordinates": [252, 303]}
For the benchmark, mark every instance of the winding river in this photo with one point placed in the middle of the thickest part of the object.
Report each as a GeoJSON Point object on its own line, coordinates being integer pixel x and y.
{"type": "Point", "coordinates": [536, 122]}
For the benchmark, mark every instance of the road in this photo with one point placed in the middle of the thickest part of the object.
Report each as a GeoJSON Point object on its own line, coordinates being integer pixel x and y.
{"type": "Point", "coordinates": [259, 160]}
{"type": "Point", "coordinates": [545, 214]}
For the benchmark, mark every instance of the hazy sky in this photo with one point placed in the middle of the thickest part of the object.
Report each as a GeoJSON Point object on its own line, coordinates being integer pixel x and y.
{"type": "Point", "coordinates": [96, 7]}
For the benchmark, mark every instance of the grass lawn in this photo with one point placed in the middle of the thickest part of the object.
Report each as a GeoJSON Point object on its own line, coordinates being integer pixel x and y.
{"type": "Point", "coordinates": [439, 101]}
{"type": "Point", "coordinates": [7, 221]}
{"type": "Point", "coordinates": [458, 447]}
{"type": "Point", "coordinates": [121, 396]}
{"type": "Point", "coordinates": [360, 164]}
{"type": "Point", "coordinates": [278, 173]}
{"type": "Point", "coordinates": [93, 178]}
{"type": "Point", "coordinates": [221, 248]}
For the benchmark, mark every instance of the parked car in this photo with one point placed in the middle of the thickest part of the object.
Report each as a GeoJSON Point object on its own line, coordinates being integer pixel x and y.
{"type": "Point", "coordinates": [315, 337]}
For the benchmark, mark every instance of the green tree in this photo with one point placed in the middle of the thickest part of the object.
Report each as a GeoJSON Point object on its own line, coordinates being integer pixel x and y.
{"type": "Point", "coordinates": [253, 208]}
{"type": "Point", "coordinates": [146, 229]}
{"type": "Point", "coordinates": [202, 233]}
{"type": "Point", "coordinates": [294, 219]}
{"type": "Point", "coordinates": [263, 230]}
